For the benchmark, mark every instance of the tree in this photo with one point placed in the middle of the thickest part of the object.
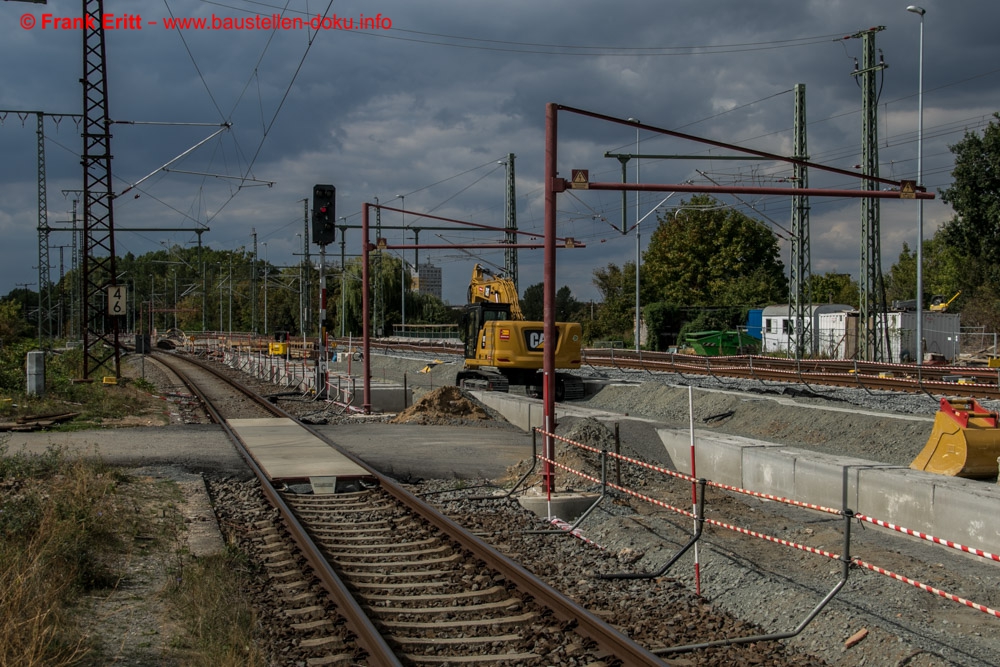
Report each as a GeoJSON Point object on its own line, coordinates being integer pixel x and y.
{"type": "Point", "coordinates": [665, 319]}
{"type": "Point", "coordinates": [533, 304]}
{"type": "Point", "coordinates": [13, 325]}
{"type": "Point", "coordinates": [614, 316]}
{"type": "Point", "coordinates": [707, 255]}
{"type": "Point", "coordinates": [835, 288]}
{"type": "Point", "coordinates": [420, 308]}
{"type": "Point", "coordinates": [974, 231]}
{"type": "Point", "coordinates": [944, 273]}
{"type": "Point", "coordinates": [964, 254]}
{"type": "Point", "coordinates": [566, 304]}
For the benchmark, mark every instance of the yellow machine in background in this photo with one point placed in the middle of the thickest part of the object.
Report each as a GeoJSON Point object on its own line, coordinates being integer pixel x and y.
{"type": "Point", "coordinates": [279, 346]}
{"type": "Point", "coordinates": [965, 441]}
{"type": "Point", "coordinates": [939, 305]}
{"type": "Point", "coordinates": [503, 349]}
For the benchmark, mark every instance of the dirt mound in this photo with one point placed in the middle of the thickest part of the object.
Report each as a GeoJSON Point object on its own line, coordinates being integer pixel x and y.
{"type": "Point", "coordinates": [444, 405]}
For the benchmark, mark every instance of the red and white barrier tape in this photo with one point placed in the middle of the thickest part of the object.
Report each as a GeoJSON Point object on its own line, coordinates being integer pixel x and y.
{"type": "Point", "coordinates": [929, 538]}
{"type": "Point", "coordinates": [925, 587]}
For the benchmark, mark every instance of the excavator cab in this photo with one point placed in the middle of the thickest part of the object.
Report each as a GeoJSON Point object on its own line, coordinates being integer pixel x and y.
{"type": "Point", "coordinates": [965, 441]}
{"type": "Point", "coordinates": [476, 315]}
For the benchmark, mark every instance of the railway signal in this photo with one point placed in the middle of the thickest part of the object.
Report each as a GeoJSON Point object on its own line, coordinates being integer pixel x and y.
{"type": "Point", "coordinates": [324, 231]}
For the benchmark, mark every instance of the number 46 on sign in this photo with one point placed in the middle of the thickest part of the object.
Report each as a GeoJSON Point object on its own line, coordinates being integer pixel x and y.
{"type": "Point", "coordinates": [116, 299]}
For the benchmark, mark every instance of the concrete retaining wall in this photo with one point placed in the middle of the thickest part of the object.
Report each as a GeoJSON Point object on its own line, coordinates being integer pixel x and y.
{"type": "Point", "coordinates": [525, 413]}
{"type": "Point", "coordinates": [950, 508]}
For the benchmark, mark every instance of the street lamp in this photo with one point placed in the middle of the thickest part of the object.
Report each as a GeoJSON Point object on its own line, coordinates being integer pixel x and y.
{"type": "Point", "coordinates": [920, 202]}
{"type": "Point", "coordinates": [402, 261]}
{"type": "Point", "coordinates": [343, 282]}
{"type": "Point", "coordinates": [638, 222]}
{"type": "Point", "coordinates": [266, 271]}
{"type": "Point", "coordinates": [637, 243]}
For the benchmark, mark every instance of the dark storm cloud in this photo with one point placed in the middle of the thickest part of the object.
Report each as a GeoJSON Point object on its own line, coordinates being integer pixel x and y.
{"type": "Point", "coordinates": [456, 86]}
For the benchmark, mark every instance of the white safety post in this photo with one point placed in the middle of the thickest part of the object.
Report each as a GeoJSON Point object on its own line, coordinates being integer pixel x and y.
{"type": "Point", "coordinates": [694, 492]}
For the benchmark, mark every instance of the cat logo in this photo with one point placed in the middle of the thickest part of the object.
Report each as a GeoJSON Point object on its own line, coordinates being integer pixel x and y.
{"type": "Point", "coordinates": [536, 340]}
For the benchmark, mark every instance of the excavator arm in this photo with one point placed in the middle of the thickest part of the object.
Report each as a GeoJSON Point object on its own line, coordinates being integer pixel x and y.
{"type": "Point", "coordinates": [486, 286]}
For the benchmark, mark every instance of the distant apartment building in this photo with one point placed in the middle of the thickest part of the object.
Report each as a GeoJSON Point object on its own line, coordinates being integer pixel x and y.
{"type": "Point", "coordinates": [429, 280]}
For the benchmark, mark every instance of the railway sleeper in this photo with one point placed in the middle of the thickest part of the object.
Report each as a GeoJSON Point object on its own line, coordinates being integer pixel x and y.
{"type": "Point", "coordinates": [385, 551]}
{"type": "Point", "coordinates": [484, 593]}
{"type": "Point", "coordinates": [452, 609]}
{"type": "Point", "coordinates": [453, 641]}
{"type": "Point", "coordinates": [459, 624]}
{"type": "Point", "coordinates": [513, 658]}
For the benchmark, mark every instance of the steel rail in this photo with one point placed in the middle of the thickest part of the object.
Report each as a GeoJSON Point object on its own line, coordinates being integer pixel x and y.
{"type": "Point", "coordinates": [587, 624]}
{"type": "Point", "coordinates": [369, 638]}
{"type": "Point", "coordinates": [866, 375]}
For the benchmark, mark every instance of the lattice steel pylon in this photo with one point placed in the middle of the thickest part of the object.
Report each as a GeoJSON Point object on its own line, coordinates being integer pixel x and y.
{"type": "Point", "coordinates": [44, 267]}
{"type": "Point", "coordinates": [98, 274]}
{"type": "Point", "coordinates": [800, 304]}
{"type": "Point", "coordinates": [872, 324]}
{"type": "Point", "coordinates": [510, 222]}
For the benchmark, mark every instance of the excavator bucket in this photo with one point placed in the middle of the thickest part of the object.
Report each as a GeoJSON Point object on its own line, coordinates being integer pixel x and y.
{"type": "Point", "coordinates": [965, 441]}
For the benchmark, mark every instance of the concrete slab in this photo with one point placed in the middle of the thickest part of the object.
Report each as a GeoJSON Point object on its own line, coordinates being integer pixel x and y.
{"type": "Point", "coordinates": [284, 450]}
{"type": "Point", "coordinates": [436, 452]}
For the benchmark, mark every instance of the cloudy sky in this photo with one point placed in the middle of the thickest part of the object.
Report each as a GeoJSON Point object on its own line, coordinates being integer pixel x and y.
{"type": "Point", "coordinates": [420, 111]}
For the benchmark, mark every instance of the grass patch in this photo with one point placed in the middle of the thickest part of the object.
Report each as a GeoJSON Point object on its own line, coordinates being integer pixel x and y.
{"type": "Point", "coordinates": [219, 623]}
{"type": "Point", "coordinates": [61, 527]}
{"type": "Point", "coordinates": [70, 529]}
{"type": "Point", "coordinates": [97, 403]}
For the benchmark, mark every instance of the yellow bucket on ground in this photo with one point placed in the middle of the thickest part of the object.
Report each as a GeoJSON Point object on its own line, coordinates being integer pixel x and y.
{"type": "Point", "coordinates": [965, 441]}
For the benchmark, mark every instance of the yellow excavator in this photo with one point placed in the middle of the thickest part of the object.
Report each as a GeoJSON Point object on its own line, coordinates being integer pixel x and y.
{"type": "Point", "coordinates": [965, 441]}
{"type": "Point", "coordinates": [939, 305]}
{"type": "Point", "coordinates": [503, 349]}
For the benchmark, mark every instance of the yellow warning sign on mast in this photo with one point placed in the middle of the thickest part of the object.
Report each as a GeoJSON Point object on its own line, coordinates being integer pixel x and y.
{"type": "Point", "coordinates": [581, 179]}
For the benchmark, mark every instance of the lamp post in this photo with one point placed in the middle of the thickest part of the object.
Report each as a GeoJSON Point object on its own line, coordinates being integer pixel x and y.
{"type": "Point", "coordinates": [402, 264]}
{"type": "Point", "coordinates": [266, 271]}
{"type": "Point", "coordinates": [343, 281]}
{"type": "Point", "coordinates": [302, 295]}
{"type": "Point", "coordinates": [920, 11]}
{"type": "Point", "coordinates": [637, 243]}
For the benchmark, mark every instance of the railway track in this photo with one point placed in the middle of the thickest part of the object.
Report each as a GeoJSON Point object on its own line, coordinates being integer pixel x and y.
{"type": "Point", "coordinates": [979, 382]}
{"type": "Point", "coordinates": [378, 576]}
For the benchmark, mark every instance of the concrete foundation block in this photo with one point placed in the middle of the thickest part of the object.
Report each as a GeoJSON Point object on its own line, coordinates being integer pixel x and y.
{"type": "Point", "coordinates": [959, 512]}
{"type": "Point", "coordinates": [718, 457]}
{"type": "Point", "coordinates": [821, 479]}
{"type": "Point", "coordinates": [567, 506]}
{"type": "Point", "coordinates": [390, 398]}
{"type": "Point", "coordinates": [525, 413]}
{"type": "Point", "coordinates": [769, 468]}
{"type": "Point", "coordinates": [897, 496]}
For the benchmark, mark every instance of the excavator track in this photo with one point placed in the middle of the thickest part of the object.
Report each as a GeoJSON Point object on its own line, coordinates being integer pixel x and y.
{"type": "Point", "coordinates": [480, 380]}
